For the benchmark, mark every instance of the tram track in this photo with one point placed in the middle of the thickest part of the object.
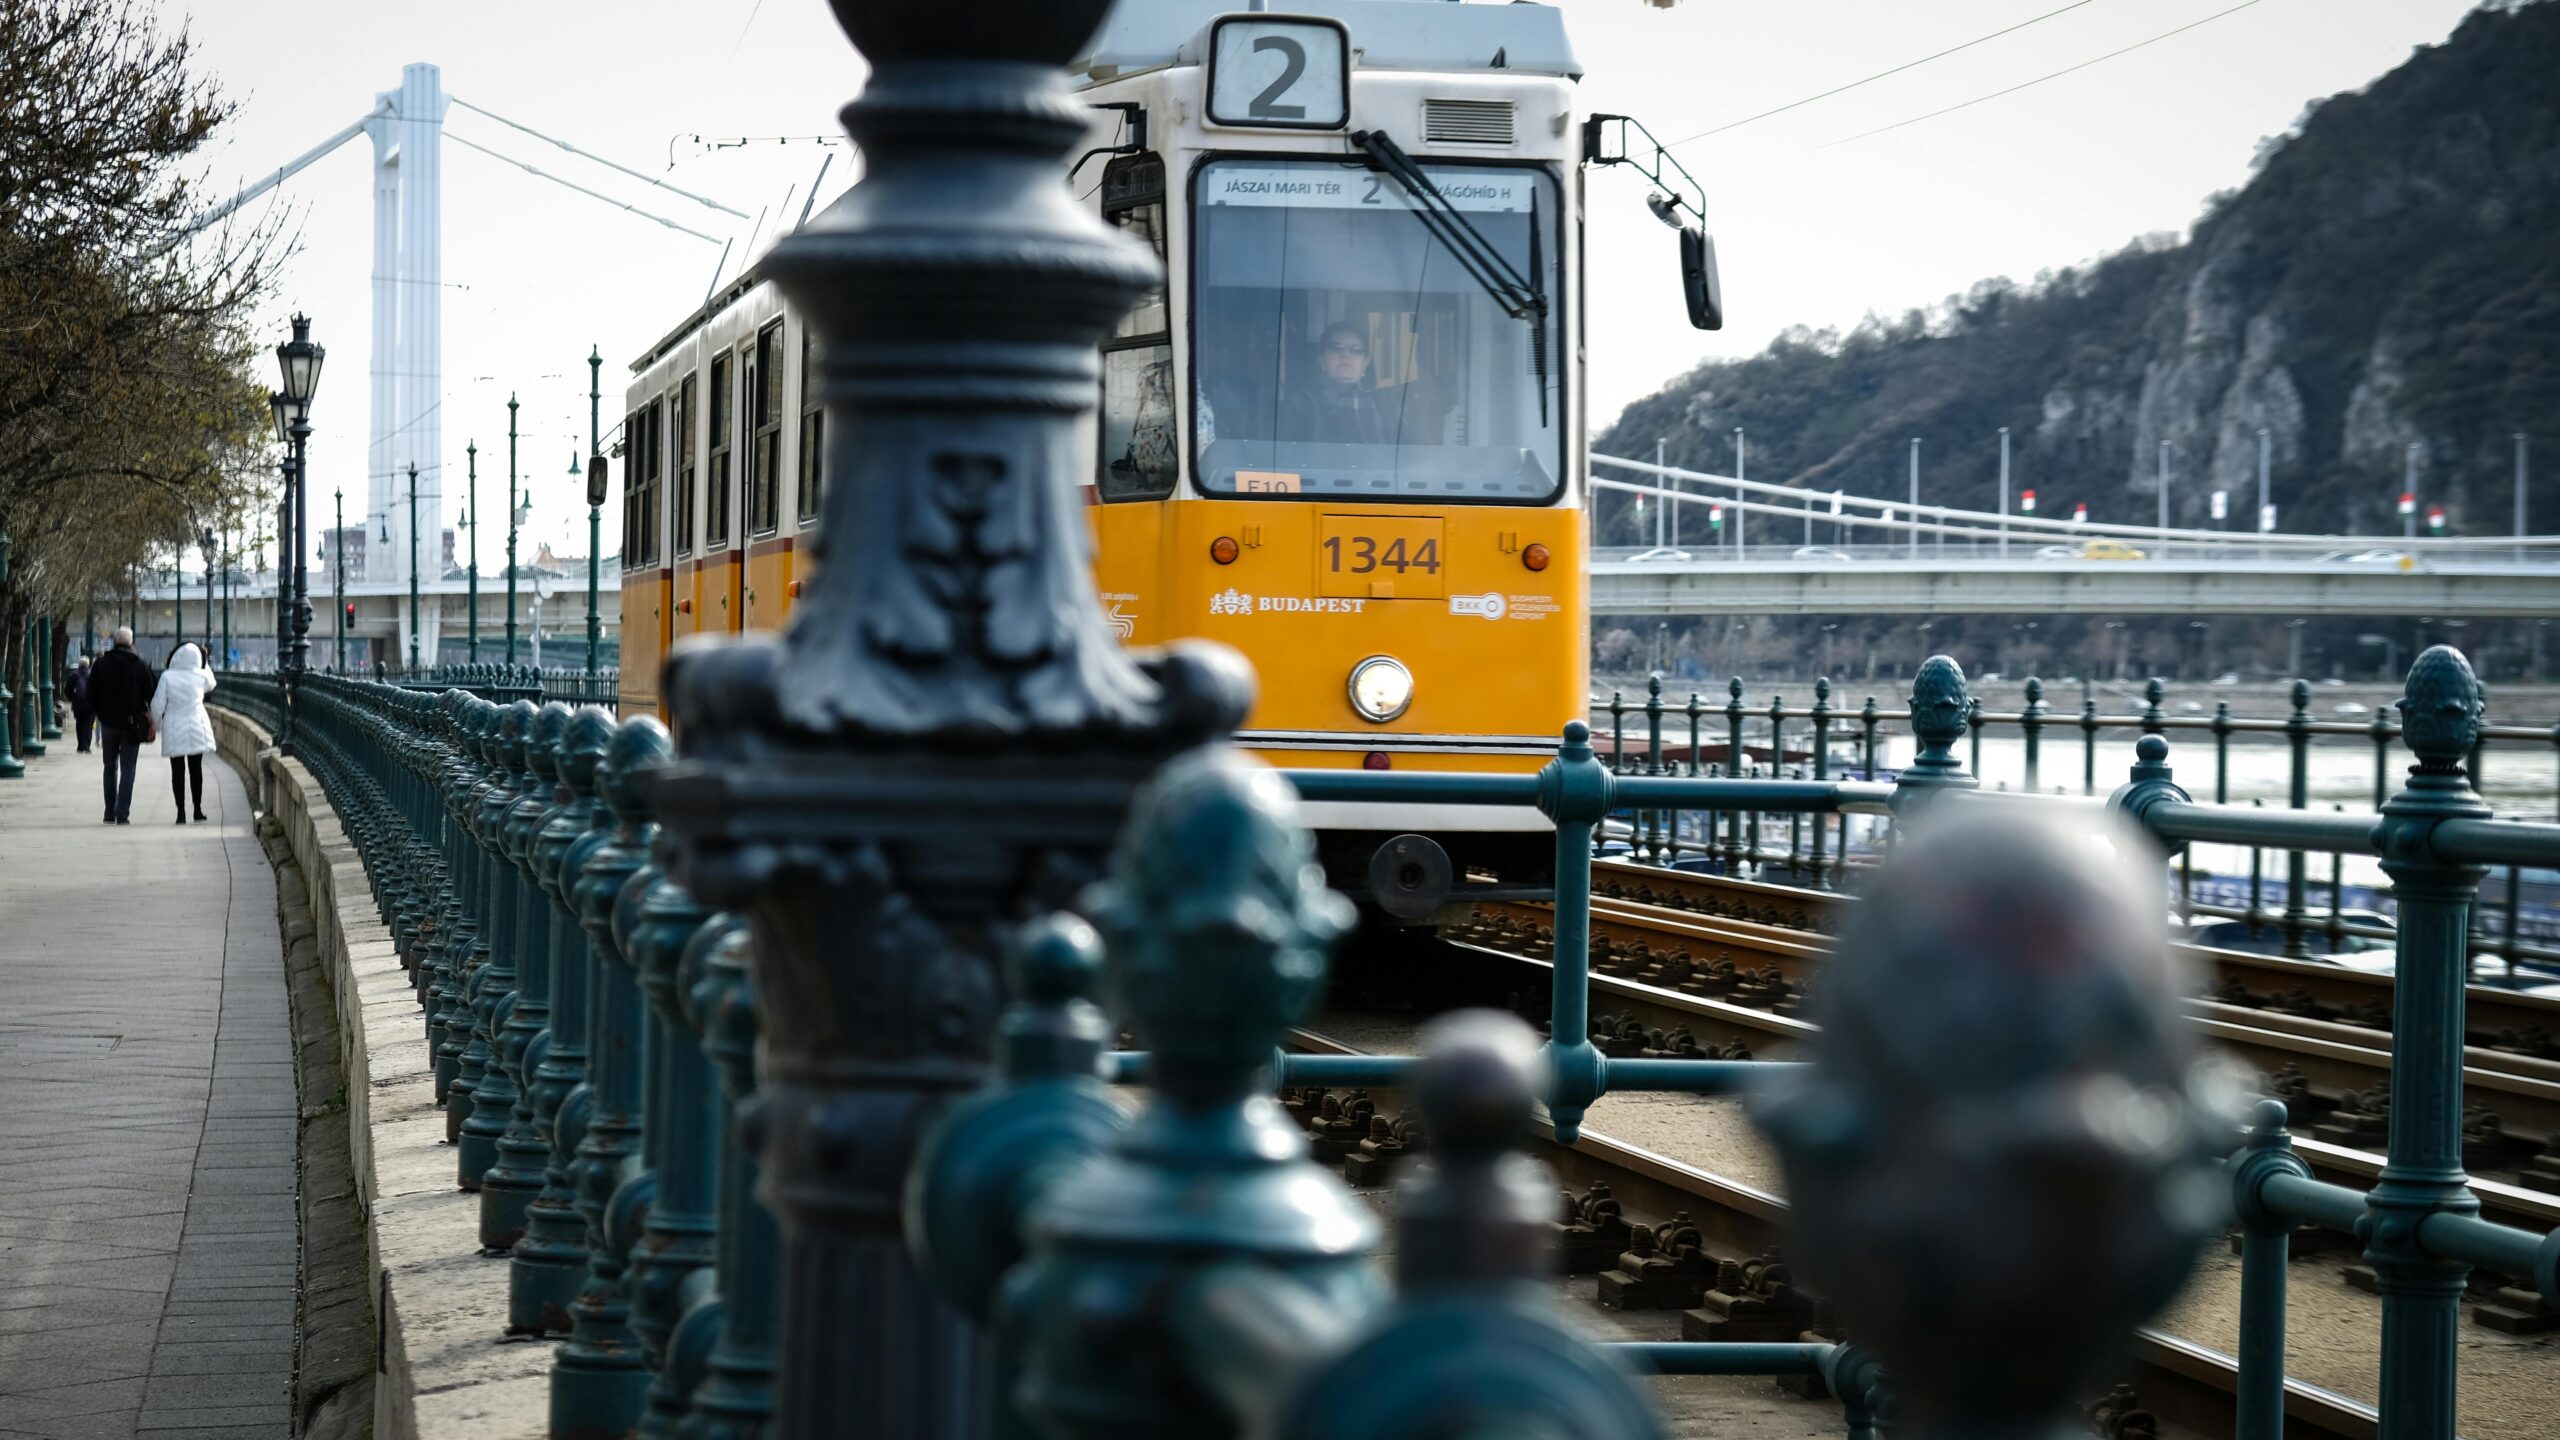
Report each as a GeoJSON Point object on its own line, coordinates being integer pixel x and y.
{"type": "Point", "coordinates": [2186, 1386]}
{"type": "Point", "coordinates": [1727, 1030]}
{"type": "Point", "coordinates": [1724, 974]}
{"type": "Point", "coordinates": [1748, 910]}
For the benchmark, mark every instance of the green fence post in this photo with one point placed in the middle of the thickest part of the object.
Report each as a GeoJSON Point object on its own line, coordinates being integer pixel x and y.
{"type": "Point", "coordinates": [2422, 1172]}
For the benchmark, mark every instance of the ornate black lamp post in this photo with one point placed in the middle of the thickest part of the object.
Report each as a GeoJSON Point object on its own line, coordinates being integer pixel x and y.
{"type": "Point", "coordinates": [413, 567]}
{"type": "Point", "coordinates": [204, 543]}
{"type": "Point", "coordinates": [10, 768]}
{"type": "Point", "coordinates": [230, 563]}
{"type": "Point", "coordinates": [950, 658]}
{"type": "Point", "coordinates": [514, 516]}
{"type": "Point", "coordinates": [338, 590]}
{"type": "Point", "coordinates": [299, 359]}
{"type": "Point", "coordinates": [595, 500]}
{"type": "Point", "coordinates": [471, 521]}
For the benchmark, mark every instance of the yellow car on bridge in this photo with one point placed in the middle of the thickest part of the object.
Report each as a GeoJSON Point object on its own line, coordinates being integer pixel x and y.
{"type": "Point", "coordinates": [2112, 550]}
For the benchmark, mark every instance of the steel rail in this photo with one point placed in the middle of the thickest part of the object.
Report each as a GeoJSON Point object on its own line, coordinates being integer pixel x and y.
{"type": "Point", "coordinates": [2490, 1009]}
{"type": "Point", "coordinates": [2522, 1091]}
{"type": "Point", "coordinates": [2176, 1378]}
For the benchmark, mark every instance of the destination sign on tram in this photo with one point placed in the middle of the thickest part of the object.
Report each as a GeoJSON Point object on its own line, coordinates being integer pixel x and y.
{"type": "Point", "coordinates": [1353, 188]}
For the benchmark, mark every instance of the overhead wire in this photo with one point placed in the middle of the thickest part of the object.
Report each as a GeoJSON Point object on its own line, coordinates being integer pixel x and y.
{"type": "Point", "coordinates": [2026, 84]}
{"type": "Point", "coordinates": [1881, 74]}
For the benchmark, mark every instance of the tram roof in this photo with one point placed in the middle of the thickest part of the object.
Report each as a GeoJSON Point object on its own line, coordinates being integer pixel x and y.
{"type": "Point", "coordinates": [1387, 34]}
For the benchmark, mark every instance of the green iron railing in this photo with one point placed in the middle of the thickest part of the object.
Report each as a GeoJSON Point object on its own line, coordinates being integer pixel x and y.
{"type": "Point", "coordinates": [400, 760]}
{"type": "Point", "coordinates": [777, 1066]}
{"type": "Point", "coordinates": [1677, 738]}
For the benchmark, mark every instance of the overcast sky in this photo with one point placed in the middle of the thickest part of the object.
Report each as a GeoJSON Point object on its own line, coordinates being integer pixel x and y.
{"type": "Point", "coordinates": [1810, 231]}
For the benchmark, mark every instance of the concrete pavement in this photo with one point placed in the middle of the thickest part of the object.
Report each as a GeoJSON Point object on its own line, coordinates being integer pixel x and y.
{"type": "Point", "coordinates": [148, 1116]}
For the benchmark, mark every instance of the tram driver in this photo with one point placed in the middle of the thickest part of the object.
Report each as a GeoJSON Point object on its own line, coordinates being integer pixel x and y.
{"type": "Point", "coordinates": [1337, 405]}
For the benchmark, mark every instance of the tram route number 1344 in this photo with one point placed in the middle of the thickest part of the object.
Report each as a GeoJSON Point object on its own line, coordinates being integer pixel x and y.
{"type": "Point", "coordinates": [1365, 555]}
{"type": "Point", "coordinates": [1357, 554]}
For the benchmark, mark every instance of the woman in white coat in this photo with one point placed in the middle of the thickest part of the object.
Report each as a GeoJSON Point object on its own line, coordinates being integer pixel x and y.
{"type": "Point", "coordinates": [186, 732]}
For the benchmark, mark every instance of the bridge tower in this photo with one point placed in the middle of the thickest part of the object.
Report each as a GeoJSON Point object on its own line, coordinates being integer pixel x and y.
{"type": "Point", "coordinates": [407, 129]}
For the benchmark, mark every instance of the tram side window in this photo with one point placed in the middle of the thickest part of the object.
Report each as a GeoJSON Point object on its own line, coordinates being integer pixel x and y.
{"type": "Point", "coordinates": [631, 495]}
{"type": "Point", "coordinates": [723, 403]}
{"type": "Point", "coordinates": [684, 508]}
{"type": "Point", "coordinates": [813, 435]}
{"type": "Point", "coordinates": [1141, 436]}
{"type": "Point", "coordinates": [640, 489]}
{"type": "Point", "coordinates": [653, 421]}
{"type": "Point", "coordinates": [764, 389]}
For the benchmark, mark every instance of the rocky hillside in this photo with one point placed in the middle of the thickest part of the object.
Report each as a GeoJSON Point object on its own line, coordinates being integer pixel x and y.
{"type": "Point", "coordinates": [2390, 274]}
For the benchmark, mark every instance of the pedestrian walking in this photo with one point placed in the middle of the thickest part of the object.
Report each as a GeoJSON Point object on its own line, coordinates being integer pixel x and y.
{"type": "Point", "coordinates": [186, 732]}
{"type": "Point", "coordinates": [83, 714]}
{"type": "Point", "coordinates": [120, 686]}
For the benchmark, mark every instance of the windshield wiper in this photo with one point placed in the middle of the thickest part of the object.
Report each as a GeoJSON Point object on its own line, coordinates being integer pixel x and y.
{"type": "Point", "coordinates": [1521, 297]}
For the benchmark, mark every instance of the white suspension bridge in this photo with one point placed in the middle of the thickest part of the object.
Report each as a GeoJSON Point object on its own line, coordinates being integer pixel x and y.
{"type": "Point", "coordinates": [1937, 559]}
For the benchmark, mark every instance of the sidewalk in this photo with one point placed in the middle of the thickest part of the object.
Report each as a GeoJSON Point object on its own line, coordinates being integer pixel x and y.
{"type": "Point", "coordinates": [148, 1241]}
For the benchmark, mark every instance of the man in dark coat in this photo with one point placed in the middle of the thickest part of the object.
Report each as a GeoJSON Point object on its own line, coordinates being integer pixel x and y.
{"type": "Point", "coordinates": [75, 687]}
{"type": "Point", "coordinates": [120, 687]}
{"type": "Point", "coordinates": [1337, 406]}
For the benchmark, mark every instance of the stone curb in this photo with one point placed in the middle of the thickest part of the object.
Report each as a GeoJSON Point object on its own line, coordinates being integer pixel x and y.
{"type": "Point", "coordinates": [442, 1370]}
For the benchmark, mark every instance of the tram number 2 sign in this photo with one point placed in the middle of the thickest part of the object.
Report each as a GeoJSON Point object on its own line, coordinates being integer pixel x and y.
{"type": "Point", "coordinates": [1279, 72]}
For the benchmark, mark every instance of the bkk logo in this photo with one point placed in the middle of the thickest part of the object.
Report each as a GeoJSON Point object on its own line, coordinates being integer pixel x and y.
{"type": "Point", "coordinates": [1488, 605]}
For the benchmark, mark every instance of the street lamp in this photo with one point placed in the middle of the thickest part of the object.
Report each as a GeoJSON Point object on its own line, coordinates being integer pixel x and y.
{"type": "Point", "coordinates": [471, 522]}
{"type": "Point", "coordinates": [512, 521]}
{"type": "Point", "coordinates": [10, 766]}
{"type": "Point", "coordinates": [1915, 497]}
{"type": "Point", "coordinates": [204, 543]}
{"type": "Point", "coordinates": [230, 565]}
{"type": "Point", "coordinates": [413, 567]}
{"type": "Point", "coordinates": [338, 589]}
{"type": "Point", "coordinates": [595, 500]}
{"type": "Point", "coordinates": [300, 360]}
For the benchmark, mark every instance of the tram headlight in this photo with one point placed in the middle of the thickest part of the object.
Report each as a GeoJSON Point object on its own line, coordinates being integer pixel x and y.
{"type": "Point", "coordinates": [1381, 688]}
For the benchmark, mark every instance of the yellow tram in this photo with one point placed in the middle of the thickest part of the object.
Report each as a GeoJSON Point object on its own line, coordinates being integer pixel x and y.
{"type": "Point", "coordinates": [1347, 437]}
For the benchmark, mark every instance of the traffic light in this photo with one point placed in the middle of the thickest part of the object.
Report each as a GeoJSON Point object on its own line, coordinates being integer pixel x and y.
{"type": "Point", "coordinates": [351, 612]}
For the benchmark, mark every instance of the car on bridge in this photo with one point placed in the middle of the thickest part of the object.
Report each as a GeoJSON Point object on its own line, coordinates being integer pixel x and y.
{"type": "Point", "coordinates": [1820, 552]}
{"type": "Point", "coordinates": [2397, 559]}
{"type": "Point", "coordinates": [2093, 550]}
{"type": "Point", "coordinates": [1659, 554]}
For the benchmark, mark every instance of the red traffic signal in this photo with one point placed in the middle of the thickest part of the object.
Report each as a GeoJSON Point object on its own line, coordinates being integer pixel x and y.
{"type": "Point", "coordinates": [351, 611]}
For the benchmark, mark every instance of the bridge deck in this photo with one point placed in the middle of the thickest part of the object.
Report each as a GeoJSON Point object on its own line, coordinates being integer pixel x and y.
{"type": "Point", "coordinates": [148, 1205]}
{"type": "Point", "coordinates": [2487, 587]}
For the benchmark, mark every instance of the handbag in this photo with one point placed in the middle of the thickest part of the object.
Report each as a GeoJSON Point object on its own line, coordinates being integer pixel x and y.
{"type": "Point", "coordinates": [150, 732]}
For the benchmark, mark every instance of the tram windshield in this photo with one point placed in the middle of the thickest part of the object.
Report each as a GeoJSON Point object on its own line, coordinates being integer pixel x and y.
{"type": "Point", "coordinates": [1344, 352]}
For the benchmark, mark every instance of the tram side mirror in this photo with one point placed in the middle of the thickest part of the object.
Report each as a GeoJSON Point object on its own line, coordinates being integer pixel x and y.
{"type": "Point", "coordinates": [596, 470]}
{"type": "Point", "coordinates": [1698, 278]}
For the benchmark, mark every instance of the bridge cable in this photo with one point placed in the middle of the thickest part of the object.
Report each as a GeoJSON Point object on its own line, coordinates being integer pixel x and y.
{"type": "Point", "coordinates": [1881, 74]}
